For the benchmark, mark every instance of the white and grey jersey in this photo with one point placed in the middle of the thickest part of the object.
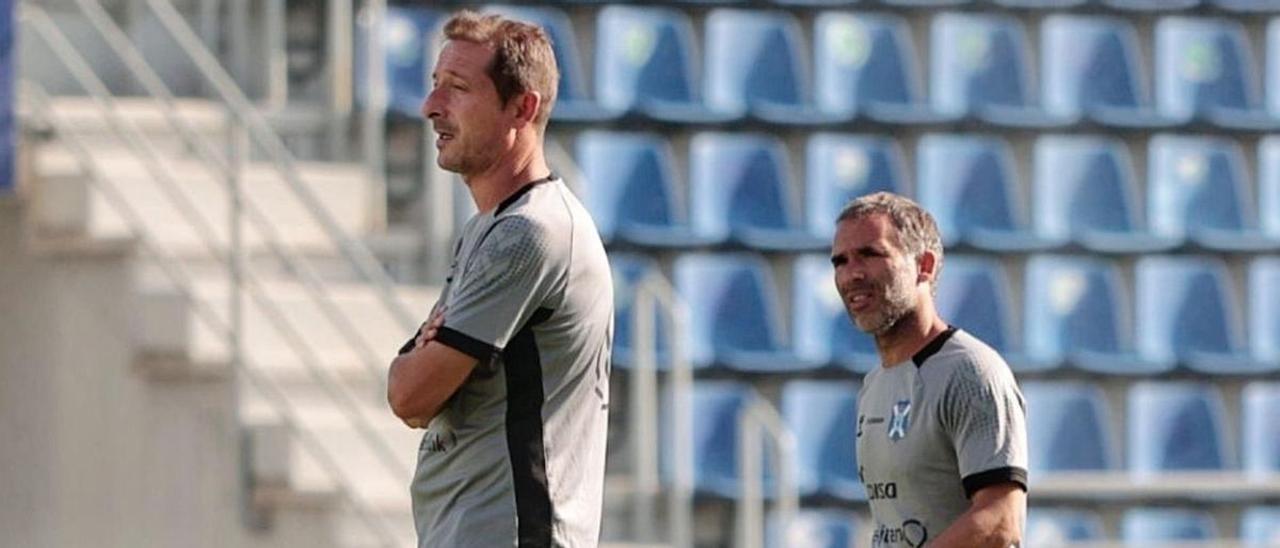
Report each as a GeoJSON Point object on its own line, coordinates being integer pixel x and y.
{"type": "Point", "coordinates": [516, 457]}
{"type": "Point", "coordinates": [934, 430]}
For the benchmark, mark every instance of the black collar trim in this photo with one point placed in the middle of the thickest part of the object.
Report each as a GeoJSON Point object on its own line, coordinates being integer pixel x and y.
{"type": "Point", "coordinates": [934, 346]}
{"type": "Point", "coordinates": [521, 192]}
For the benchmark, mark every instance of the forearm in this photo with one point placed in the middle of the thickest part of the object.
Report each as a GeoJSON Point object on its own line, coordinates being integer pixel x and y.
{"type": "Point", "coordinates": [981, 528]}
{"type": "Point", "coordinates": [421, 381]}
{"type": "Point", "coordinates": [399, 390]}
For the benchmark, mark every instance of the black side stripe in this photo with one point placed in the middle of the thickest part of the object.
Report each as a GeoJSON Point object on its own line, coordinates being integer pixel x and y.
{"type": "Point", "coordinates": [523, 369]}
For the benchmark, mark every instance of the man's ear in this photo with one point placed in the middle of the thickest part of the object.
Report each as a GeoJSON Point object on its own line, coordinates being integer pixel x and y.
{"type": "Point", "coordinates": [926, 267]}
{"type": "Point", "coordinates": [527, 105]}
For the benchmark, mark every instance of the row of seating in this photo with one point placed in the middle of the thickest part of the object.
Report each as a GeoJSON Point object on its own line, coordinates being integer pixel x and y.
{"type": "Point", "coordinates": [1230, 6]}
{"type": "Point", "coordinates": [1083, 191]}
{"type": "Point", "coordinates": [1075, 314]}
{"type": "Point", "coordinates": [1049, 527]}
{"type": "Point", "coordinates": [865, 66]}
{"type": "Point", "coordinates": [1173, 426]}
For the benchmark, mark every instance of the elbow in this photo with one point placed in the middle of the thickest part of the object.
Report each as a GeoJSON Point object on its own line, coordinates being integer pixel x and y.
{"type": "Point", "coordinates": [398, 398]}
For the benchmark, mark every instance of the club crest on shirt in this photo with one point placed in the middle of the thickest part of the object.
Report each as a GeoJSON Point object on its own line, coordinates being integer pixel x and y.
{"type": "Point", "coordinates": [900, 421]}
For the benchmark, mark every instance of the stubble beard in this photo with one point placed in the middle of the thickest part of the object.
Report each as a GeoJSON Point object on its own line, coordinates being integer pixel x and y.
{"type": "Point", "coordinates": [898, 300]}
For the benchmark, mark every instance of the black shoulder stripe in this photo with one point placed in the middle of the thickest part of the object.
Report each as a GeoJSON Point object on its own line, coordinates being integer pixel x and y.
{"type": "Point", "coordinates": [981, 480]}
{"type": "Point", "coordinates": [933, 347]}
{"type": "Point", "coordinates": [521, 192]}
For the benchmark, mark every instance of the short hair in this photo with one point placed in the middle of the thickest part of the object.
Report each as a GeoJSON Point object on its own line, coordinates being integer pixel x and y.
{"type": "Point", "coordinates": [523, 60]}
{"type": "Point", "coordinates": [917, 231]}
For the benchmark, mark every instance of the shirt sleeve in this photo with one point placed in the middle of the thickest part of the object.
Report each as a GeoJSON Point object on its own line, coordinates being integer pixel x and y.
{"type": "Point", "coordinates": [508, 278]}
{"type": "Point", "coordinates": [985, 416]}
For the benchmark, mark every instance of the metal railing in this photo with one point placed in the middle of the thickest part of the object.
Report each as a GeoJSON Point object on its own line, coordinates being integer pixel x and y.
{"type": "Point", "coordinates": [172, 267]}
{"type": "Point", "coordinates": [248, 128]}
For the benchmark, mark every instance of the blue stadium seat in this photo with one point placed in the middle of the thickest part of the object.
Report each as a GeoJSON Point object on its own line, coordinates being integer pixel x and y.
{"type": "Point", "coordinates": [1205, 70]}
{"type": "Point", "coordinates": [1264, 309]}
{"type": "Point", "coordinates": [1176, 426]}
{"type": "Point", "coordinates": [822, 415]}
{"type": "Point", "coordinates": [1093, 68]}
{"type": "Point", "coordinates": [741, 192]}
{"type": "Point", "coordinates": [866, 65]}
{"type": "Point", "coordinates": [1075, 311]}
{"type": "Point", "coordinates": [408, 53]}
{"type": "Point", "coordinates": [973, 295]}
{"type": "Point", "coordinates": [1187, 313]}
{"type": "Point", "coordinates": [630, 188]}
{"type": "Point", "coordinates": [1272, 82]}
{"type": "Point", "coordinates": [1261, 432]}
{"type": "Point", "coordinates": [821, 327]}
{"type": "Point", "coordinates": [978, 67]}
{"type": "Point", "coordinates": [716, 408]}
{"type": "Point", "coordinates": [1068, 427]}
{"type": "Point", "coordinates": [967, 182]}
{"type": "Point", "coordinates": [629, 270]}
{"type": "Point", "coordinates": [734, 320]}
{"type": "Point", "coordinates": [1042, 4]}
{"type": "Point", "coordinates": [1059, 527]}
{"type": "Point", "coordinates": [1153, 5]}
{"type": "Point", "coordinates": [926, 3]}
{"type": "Point", "coordinates": [840, 167]}
{"type": "Point", "coordinates": [1268, 196]}
{"type": "Point", "coordinates": [1198, 189]}
{"type": "Point", "coordinates": [645, 63]}
{"type": "Point", "coordinates": [1143, 526]}
{"type": "Point", "coordinates": [1247, 6]}
{"type": "Point", "coordinates": [813, 528]}
{"type": "Point", "coordinates": [754, 65]}
{"type": "Point", "coordinates": [1085, 193]}
{"type": "Point", "coordinates": [1260, 527]}
{"type": "Point", "coordinates": [572, 101]}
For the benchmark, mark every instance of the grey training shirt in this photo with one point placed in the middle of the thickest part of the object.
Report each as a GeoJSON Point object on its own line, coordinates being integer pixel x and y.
{"type": "Point", "coordinates": [516, 457]}
{"type": "Point", "coordinates": [934, 430]}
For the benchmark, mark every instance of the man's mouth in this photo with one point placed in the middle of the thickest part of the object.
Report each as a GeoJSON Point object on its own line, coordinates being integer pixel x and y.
{"type": "Point", "coordinates": [443, 137]}
{"type": "Point", "coordinates": [859, 301]}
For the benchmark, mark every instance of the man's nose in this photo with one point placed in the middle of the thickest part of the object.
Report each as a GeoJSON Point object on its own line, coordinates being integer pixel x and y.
{"type": "Point", "coordinates": [431, 106]}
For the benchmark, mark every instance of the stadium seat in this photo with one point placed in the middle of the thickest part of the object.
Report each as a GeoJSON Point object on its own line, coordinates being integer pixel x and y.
{"type": "Point", "coordinates": [1042, 4]}
{"type": "Point", "coordinates": [821, 327]}
{"type": "Point", "coordinates": [973, 295]}
{"type": "Point", "coordinates": [755, 66]}
{"type": "Point", "coordinates": [1093, 68]}
{"type": "Point", "coordinates": [1060, 527]}
{"type": "Point", "coordinates": [1187, 313]}
{"type": "Point", "coordinates": [822, 415]}
{"type": "Point", "coordinates": [741, 192]}
{"type": "Point", "coordinates": [1205, 70]}
{"type": "Point", "coordinates": [819, 3]}
{"type": "Point", "coordinates": [1260, 527]}
{"type": "Point", "coordinates": [1198, 189]}
{"type": "Point", "coordinates": [978, 67]}
{"type": "Point", "coordinates": [1247, 6]}
{"type": "Point", "coordinates": [572, 102]}
{"type": "Point", "coordinates": [716, 407]}
{"type": "Point", "coordinates": [631, 190]}
{"type": "Point", "coordinates": [645, 64]}
{"type": "Point", "coordinates": [629, 270]}
{"type": "Point", "coordinates": [1261, 432]}
{"type": "Point", "coordinates": [1075, 311]}
{"type": "Point", "coordinates": [1176, 426]}
{"type": "Point", "coordinates": [840, 167]}
{"type": "Point", "coordinates": [1084, 193]}
{"type": "Point", "coordinates": [1152, 5]}
{"type": "Point", "coordinates": [734, 320]}
{"type": "Point", "coordinates": [1068, 427]}
{"type": "Point", "coordinates": [926, 3]}
{"type": "Point", "coordinates": [866, 65]}
{"type": "Point", "coordinates": [1272, 82]}
{"type": "Point", "coordinates": [1264, 309]}
{"type": "Point", "coordinates": [813, 528]}
{"type": "Point", "coordinates": [967, 182]}
{"type": "Point", "coordinates": [408, 53]}
{"type": "Point", "coordinates": [1143, 526]}
{"type": "Point", "coordinates": [1268, 196]}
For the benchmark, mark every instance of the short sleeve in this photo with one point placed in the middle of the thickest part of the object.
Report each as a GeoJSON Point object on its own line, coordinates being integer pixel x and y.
{"type": "Point", "coordinates": [507, 279]}
{"type": "Point", "coordinates": [985, 416]}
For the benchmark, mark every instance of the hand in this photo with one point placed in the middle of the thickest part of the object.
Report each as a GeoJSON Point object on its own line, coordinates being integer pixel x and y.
{"type": "Point", "coordinates": [429, 328]}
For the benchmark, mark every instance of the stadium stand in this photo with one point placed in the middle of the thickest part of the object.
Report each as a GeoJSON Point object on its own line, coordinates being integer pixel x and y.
{"type": "Point", "coordinates": [1056, 527]}
{"type": "Point", "coordinates": [1175, 426]}
{"type": "Point", "coordinates": [1205, 70]}
{"type": "Point", "coordinates": [1142, 526]}
{"type": "Point", "coordinates": [755, 67]}
{"type": "Point", "coordinates": [1261, 429]}
{"type": "Point", "coordinates": [1068, 427]}
{"type": "Point", "coordinates": [840, 167]}
{"type": "Point", "coordinates": [822, 414]}
{"type": "Point", "coordinates": [816, 529]}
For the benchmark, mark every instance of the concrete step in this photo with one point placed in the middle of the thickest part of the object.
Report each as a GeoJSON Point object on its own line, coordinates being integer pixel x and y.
{"type": "Point", "coordinates": [67, 201]}
{"type": "Point", "coordinates": [170, 332]}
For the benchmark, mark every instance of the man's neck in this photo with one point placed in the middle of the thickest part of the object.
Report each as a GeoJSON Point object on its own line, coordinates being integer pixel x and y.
{"type": "Point", "coordinates": [910, 335]}
{"type": "Point", "coordinates": [505, 177]}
